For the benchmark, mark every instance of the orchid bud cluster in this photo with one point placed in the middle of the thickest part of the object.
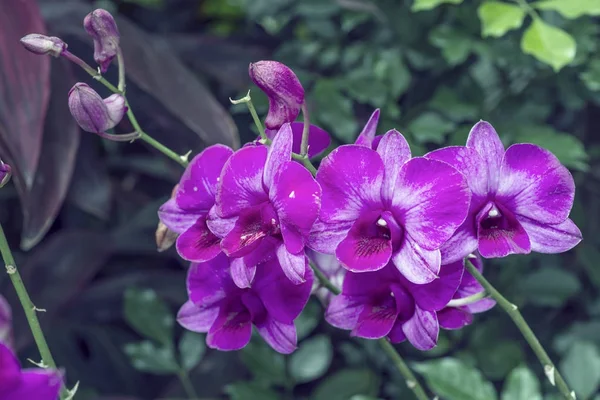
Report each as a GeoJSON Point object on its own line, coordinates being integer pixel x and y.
{"type": "Point", "coordinates": [90, 111]}
{"type": "Point", "coordinates": [393, 230]}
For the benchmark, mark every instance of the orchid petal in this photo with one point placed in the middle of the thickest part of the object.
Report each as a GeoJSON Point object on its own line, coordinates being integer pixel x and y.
{"type": "Point", "coordinates": [394, 151]}
{"type": "Point", "coordinates": [280, 152]}
{"type": "Point", "coordinates": [365, 138]}
{"type": "Point", "coordinates": [551, 239]}
{"type": "Point", "coordinates": [197, 318]}
{"type": "Point", "coordinates": [175, 218]}
{"type": "Point", "coordinates": [417, 264]}
{"type": "Point", "coordinates": [293, 265]}
{"type": "Point", "coordinates": [500, 236]}
{"type": "Point", "coordinates": [279, 335]}
{"type": "Point", "coordinates": [422, 329]}
{"type": "Point", "coordinates": [198, 243]}
{"type": "Point", "coordinates": [454, 318]}
{"type": "Point", "coordinates": [484, 139]}
{"type": "Point", "coordinates": [242, 274]}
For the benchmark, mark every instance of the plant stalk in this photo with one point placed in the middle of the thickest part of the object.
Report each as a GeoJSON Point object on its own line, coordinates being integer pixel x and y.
{"type": "Point", "coordinates": [512, 310]}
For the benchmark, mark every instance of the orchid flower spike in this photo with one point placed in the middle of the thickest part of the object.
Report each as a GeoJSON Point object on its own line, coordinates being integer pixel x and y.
{"type": "Point", "coordinates": [101, 26]}
{"type": "Point", "coordinates": [42, 44]}
{"type": "Point", "coordinates": [92, 113]}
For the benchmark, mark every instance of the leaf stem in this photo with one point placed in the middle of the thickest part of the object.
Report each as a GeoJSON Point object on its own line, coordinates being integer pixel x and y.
{"type": "Point", "coordinates": [184, 378]}
{"type": "Point", "coordinates": [121, 64]}
{"type": "Point", "coordinates": [305, 132]}
{"type": "Point", "coordinates": [411, 381]}
{"type": "Point", "coordinates": [28, 306]}
{"type": "Point", "coordinates": [527, 8]}
{"type": "Point", "coordinates": [512, 310]}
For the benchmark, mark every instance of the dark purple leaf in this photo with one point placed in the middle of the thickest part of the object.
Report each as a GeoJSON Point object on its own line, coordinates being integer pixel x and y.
{"type": "Point", "coordinates": [24, 91]}
{"type": "Point", "coordinates": [57, 271]}
{"type": "Point", "coordinates": [60, 143]}
{"type": "Point", "coordinates": [225, 61]}
{"type": "Point", "coordinates": [90, 187]}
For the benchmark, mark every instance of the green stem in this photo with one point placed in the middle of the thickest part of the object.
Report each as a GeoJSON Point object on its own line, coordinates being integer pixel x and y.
{"type": "Point", "coordinates": [305, 132]}
{"type": "Point", "coordinates": [467, 300]}
{"type": "Point", "coordinates": [187, 384]}
{"type": "Point", "coordinates": [411, 381]}
{"type": "Point", "coordinates": [181, 160]}
{"type": "Point", "coordinates": [512, 310]}
{"type": "Point", "coordinates": [27, 304]}
{"type": "Point", "coordinates": [527, 8]}
{"type": "Point", "coordinates": [261, 129]}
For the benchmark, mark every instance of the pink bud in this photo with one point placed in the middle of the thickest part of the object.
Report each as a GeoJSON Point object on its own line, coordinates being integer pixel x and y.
{"type": "Point", "coordinates": [281, 85]}
{"type": "Point", "coordinates": [92, 113]}
{"type": "Point", "coordinates": [5, 173]}
{"type": "Point", "coordinates": [42, 44]}
{"type": "Point", "coordinates": [101, 26]}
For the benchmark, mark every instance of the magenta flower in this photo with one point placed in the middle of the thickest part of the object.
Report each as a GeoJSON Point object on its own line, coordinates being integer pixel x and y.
{"type": "Point", "coordinates": [101, 26]}
{"type": "Point", "coordinates": [266, 204]}
{"type": "Point", "coordinates": [329, 265]}
{"type": "Point", "coordinates": [318, 139]}
{"type": "Point", "coordinates": [92, 113]}
{"type": "Point", "coordinates": [457, 317]}
{"type": "Point", "coordinates": [384, 303]}
{"type": "Point", "coordinates": [367, 136]}
{"type": "Point", "coordinates": [6, 334]}
{"type": "Point", "coordinates": [521, 198]}
{"type": "Point", "coordinates": [17, 384]}
{"type": "Point", "coordinates": [382, 205]}
{"type": "Point", "coordinates": [282, 87]}
{"type": "Point", "coordinates": [187, 211]}
{"type": "Point", "coordinates": [226, 312]}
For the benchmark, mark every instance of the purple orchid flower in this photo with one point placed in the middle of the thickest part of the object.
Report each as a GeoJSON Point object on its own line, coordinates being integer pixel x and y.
{"type": "Point", "coordinates": [226, 312]}
{"type": "Point", "coordinates": [458, 317]}
{"type": "Point", "coordinates": [384, 303]}
{"type": "Point", "coordinates": [266, 205]}
{"type": "Point", "coordinates": [6, 334]}
{"type": "Point", "coordinates": [521, 200]}
{"type": "Point", "coordinates": [382, 205]}
{"type": "Point", "coordinates": [17, 384]}
{"type": "Point", "coordinates": [329, 265]}
{"type": "Point", "coordinates": [367, 136]}
{"type": "Point", "coordinates": [318, 139]}
{"type": "Point", "coordinates": [187, 211]}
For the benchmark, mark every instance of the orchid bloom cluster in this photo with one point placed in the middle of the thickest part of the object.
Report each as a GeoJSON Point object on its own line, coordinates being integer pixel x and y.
{"type": "Point", "coordinates": [391, 229]}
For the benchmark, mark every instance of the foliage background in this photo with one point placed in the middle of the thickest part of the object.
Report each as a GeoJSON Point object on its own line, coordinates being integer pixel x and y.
{"type": "Point", "coordinates": [86, 232]}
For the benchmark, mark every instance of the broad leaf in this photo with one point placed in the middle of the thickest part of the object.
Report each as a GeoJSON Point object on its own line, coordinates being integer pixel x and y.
{"type": "Point", "coordinates": [347, 383]}
{"type": "Point", "coordinates": [312, 359]}
{"type": "Point", "coordinates": [581, 368]}
{"type": "Point", "coordinates": [146, 356]}
{"type": "Point", "coordinates": [450, 379]}
{"type": "Point", "coordinates": [549, 286]}
{"type": "Point", "coordinates": [497, 18]}
{"type": "Point", "coordinates": [521, 384]}
{"type": "Point", "coordinates": [570, 8]}
{"type": "Point", "coordinates": [549, 44]}
{"type": "Point", "coordinates": [265, 363]}
{"type": "Point", "coordinates": [24, 92]}
{"type": "Point", "coordinates": [149, 315]}
{"type": "Point", "coordinates": [250, 391]}
{"type": "Point", "coordinates": [192, 347]}
{"type": "Point", "coordinates": [419, 5]}
{"type": "Point", "coordinates": [430, 127]}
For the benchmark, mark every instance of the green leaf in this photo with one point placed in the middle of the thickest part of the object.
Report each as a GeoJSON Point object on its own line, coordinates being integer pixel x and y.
{"type": "Point", "coordinates": [361, 86]}
{"type": "Point", "coordinates": [497, 18]}
{"type": "Point", "coordinates": [334, 110]}
{"type": "Point", "coordinates": [549, 44]}
{"type": "Point", "coordinates": [567, 148]}
{"type": "Point", "coordinates": [250, 391]}
{"type": "Point", "coordinates": [430, 127]}
{"type": "Point", "coordinates": [347, 383]}
{"type": "Point", "coordinates": [265, 363]}
{"type": "Point", "coordinates": [312, 359]}
{"type": "Point", "coordinates": [455, 45]}
{"type": "Point", "coordinates": [521, 384]}
{"type": "Point", "coordinates": [419, 5]}
{"type": "Point", "coordinates": [308, 320]}
{"type": "Point", "coordinates": [149, 315]}
{"type": "Point", "coordinates": [591, 76]}
{"type": "Point", "coordinates": [447, 102]}
{"type": "Point", "coordinates": [450, 379]}
{"type": "Point", "coordinates": [581, 368]}
{"type": "Point", "coordinates": [578, 332]}
{"type": "Point", "coordinates": [570, 8]}
{"type": "Point", "coordinates": [192, 347]}
{"type": "Point", "coordinates": [497, 358]}
{"type": "Point", "coordinates": [146, 356]}
{"type": "Point", "coordinates": [549, 286]}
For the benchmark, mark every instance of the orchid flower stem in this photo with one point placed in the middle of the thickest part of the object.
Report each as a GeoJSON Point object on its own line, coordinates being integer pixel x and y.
{"type": "Point", "coordinates": [261, 129]}
{"type": "Point", "coordinates": [411, 381]}
{"type": "Point", "coordinates": [467, 300]}
{"type": "Point", "coordinates": [512, 310]}
{"type": "Point", "coordinates": [181, 160]}
{"type": "Point", "coordinates": [184, 378]}
{"type": "Point", "coordinates": [27, 304]}
{"type": "Point", "coordinates": [305, 132]}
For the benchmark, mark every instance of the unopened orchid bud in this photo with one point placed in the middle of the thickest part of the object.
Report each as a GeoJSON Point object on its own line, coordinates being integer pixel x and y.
{"type": "Point", "coordinates": [281, 85]}
{"type": "Point", "coordinates": [5, 173]}
{"type": "Point", "coordinates": [101, 26]}
{"type": "Point", "coordinates": [42, 44]}
{"type": "Point", "coordinates": [92, 113]}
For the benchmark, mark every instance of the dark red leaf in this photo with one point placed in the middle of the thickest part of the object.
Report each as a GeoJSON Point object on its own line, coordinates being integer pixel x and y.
{"type": "Point", "coordinates": [42, 202]}
{"type": "Point", "coordinates": [24, 91]}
